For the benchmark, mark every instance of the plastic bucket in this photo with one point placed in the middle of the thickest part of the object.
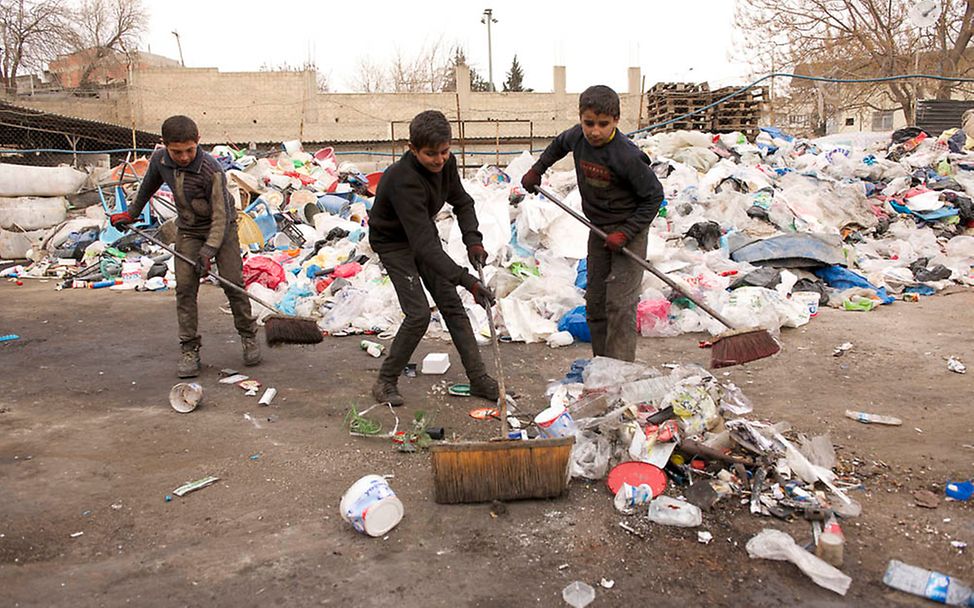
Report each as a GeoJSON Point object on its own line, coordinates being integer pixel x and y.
{"type": "Point", "coordinates": [185, 396]}
{"type": "Point", "coordinates": [335, 205]}
{"type": "Point", "coordinates": [808, 299]}
{"type": "Point", "coordinates": [371, 506]}
{"type": "Point", "coordinates": [555, 422]}
{"type": "Point", "coordinates": [373, 181]}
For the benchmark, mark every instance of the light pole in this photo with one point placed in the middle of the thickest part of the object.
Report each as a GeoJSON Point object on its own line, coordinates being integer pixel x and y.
{"type": "Point", "coordinates": [488, 18]}
{"type": "Point", "coordinates": [180, 47]}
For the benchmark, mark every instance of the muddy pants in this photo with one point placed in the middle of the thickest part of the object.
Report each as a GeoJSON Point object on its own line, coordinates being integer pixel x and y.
{"type": "Point", "coordinates": [230, 266]}
{"type": "Point", "coordinates": [408, 275]}
{"type": "Point", "coordinates": [612, 295]}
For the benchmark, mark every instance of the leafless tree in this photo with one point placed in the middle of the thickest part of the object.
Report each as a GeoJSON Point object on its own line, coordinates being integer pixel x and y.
{"type": "Point", "coordinates": [104, 28]}
{"type": "Point", "coordinates": [32, 33]}
{"type": "Point", "coordinates": [370, 77]}
{"type": "Point", "coordinates": [852, 39]}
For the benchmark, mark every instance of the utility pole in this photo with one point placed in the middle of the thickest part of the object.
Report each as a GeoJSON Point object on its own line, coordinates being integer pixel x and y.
{"type": "Point", "coordinates": [180, 47]}
{"type": "Point", "coordinates": [488, 18]}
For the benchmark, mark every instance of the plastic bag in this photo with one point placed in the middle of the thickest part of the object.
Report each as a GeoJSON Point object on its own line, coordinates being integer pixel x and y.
{"type": "Point", "coordinates": [652, 319]}
{"type": "Point", "coordinates": [349, 303]}
{"type": "Point", "coordinates": [590, 455]}
{"type": "Point", "coordinates": [603, 372]}
{"type": "Point", "coordinates": [574, 323]}
{"type": "Point", "coordinates": [261, 269]}
{"type": "Point", "coordinates": [778, 545]}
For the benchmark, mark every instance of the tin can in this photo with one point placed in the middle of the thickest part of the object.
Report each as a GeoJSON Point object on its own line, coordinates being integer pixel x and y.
{"type": "Point", "coordinates": [373, 348]}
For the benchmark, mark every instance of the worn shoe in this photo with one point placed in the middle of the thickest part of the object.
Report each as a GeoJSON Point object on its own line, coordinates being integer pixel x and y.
{"type": "Point", "coordinates": [484, 387]}
{"type": "Point", "coordinates": [189, 364]}
{"type": "Point", "coordinates": [385, 391]}
{"type": "Point", "coordinates": [251, 351]}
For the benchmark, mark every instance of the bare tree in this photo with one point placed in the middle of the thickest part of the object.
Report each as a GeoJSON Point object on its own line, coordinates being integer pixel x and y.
{"type": "Point", "coordinates": [32, 33]}
{"type": "Point", "coordinates": [370, 77]}
{"type": "Point", "coordinates": [104, 28]}
{"type": "Point", "coordinates": [852, 39]}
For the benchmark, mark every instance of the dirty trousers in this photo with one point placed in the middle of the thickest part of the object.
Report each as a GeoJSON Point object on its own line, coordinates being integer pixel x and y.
{"type": "Point", "coordinates": [230, 266]}
{"type": "Point", "coordinates": [408, 275]}
{"type": "Point", "coordinates": [612, 295]}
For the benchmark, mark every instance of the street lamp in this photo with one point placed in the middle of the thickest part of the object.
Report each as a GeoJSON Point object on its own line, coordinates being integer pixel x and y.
{"type": "Point", "coordinates": [488, 18]}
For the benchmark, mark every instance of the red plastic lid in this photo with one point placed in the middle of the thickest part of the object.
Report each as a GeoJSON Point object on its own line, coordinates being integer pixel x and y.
{"type": "Point", "coordinates": [636, 473]}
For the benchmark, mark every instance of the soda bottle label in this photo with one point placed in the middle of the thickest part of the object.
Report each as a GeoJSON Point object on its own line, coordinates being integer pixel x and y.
{"type": "Point", "coordinates": [937, 585]}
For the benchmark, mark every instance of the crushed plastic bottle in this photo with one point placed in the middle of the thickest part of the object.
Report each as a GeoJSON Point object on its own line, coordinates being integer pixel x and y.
{"type": "Point", "coordinates": [927, 583]}
{"type": "Point", "coordinates": [867, 418]}
{"type": "Point", "coordinates": [672, 512]}
{"type": "Point", "coordinates": [578, 594]}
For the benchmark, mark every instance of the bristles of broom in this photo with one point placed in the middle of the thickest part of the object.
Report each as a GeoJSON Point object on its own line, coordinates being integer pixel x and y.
{"type": "Point", "coordinates": [280, 330]}
{"type": "Point", "coordinates": [501, 470]}
{"type": "Point", "coordinates": [742, 346]}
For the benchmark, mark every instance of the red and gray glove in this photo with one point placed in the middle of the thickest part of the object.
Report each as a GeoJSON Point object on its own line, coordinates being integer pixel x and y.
{"type": "Point", "coordinates": [531, 181]}
{"type": "Point", "coordinates": [482, 294]}
{"type": "Point", "coordinates": [205, 260]}
{"type": "Point", "coordinates": [121, 221]}
{"type": "Point", "coordinates": [477, 255]}
{"type": "Point", "coordinates": [615, 241]}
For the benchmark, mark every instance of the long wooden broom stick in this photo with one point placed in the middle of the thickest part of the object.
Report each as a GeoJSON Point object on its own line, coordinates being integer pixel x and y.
{"type": "Point", "coordinates": [502, 393]}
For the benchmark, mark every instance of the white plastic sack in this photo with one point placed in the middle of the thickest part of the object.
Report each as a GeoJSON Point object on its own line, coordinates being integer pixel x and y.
{"type": "Point", "coordinates": [778, 545]}
{"type": "Point", "coordinates": [25, 180]}
{"type": "Point", "coordinates": [15, 245]}
{"type": "Point", "coordinates": [32, 213]}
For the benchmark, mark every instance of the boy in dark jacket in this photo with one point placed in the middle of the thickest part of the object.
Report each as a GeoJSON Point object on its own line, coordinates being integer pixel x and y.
{"type": "Point", "coordinates": [403, 233]}
{"type": "Point", "coordinates": [206, 219]}
{"type": "Point", "coordinates": [621, 195]}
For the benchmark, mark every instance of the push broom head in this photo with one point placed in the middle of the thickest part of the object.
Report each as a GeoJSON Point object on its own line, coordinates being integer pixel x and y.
{"type": "Point", "coordinates": [501, 470]}
{"type": "Point", "coordinates": [742, 346]}
{"type": "Point", "coordinates": [280, 330]}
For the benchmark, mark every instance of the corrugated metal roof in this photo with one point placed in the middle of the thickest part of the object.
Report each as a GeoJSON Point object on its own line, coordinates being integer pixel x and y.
{"type": "Point", "coordinates": [26, 128]}
{"type": "Point", "coordinates": [936, 116]}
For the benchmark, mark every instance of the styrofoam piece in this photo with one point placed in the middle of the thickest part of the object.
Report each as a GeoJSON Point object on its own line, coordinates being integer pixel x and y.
{"type": "Point", "coordinates": [436, 363]}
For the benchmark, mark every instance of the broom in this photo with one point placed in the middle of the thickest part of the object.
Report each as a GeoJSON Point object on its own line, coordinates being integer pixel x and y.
{"type": "Point", "coordinates": [732, 347]}
{"type": "Point", "coordinates": [502, 469]}
{"type": "Point", "coordinates": [278, 328]}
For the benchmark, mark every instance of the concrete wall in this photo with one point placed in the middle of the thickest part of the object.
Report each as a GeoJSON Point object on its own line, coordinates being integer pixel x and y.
{"type": "Point", "coordinates": [241, 107]}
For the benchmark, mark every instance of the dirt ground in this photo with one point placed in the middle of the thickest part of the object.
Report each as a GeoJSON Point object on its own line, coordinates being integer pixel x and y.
{"type": "Point", "coordinates": [88, 443]}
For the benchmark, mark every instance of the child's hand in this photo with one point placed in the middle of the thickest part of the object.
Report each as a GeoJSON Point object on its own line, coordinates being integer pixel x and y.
{"type": "Point", "coordinates": [615, 241]}
{"type": "Point", "coordinates": [531, 181]}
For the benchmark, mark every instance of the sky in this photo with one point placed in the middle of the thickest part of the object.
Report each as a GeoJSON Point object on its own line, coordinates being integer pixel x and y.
{"type": "Point", "coordinates": [685, 41]}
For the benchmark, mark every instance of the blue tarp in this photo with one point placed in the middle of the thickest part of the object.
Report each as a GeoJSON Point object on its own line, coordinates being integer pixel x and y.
{"type": "Point", "coordinates": [927, 216]}
{"type": "Point", "coordinates": [574, 323]}
{"type": "Point", "coordinates": [581, 279]}
{"type": "Point", "coordinates": [792, 250]}
{"type": "Point", "coordinates": [843, 278]}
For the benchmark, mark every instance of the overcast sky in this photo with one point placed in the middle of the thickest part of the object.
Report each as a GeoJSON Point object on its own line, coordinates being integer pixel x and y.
{"type": "Point", "coordinates": [689, 40]}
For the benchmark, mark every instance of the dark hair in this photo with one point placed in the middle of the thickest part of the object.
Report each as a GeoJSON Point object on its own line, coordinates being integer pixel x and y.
{"type": "Point", "coordinates": [600, 99]}
{"type": "Point", "coordinates": [428, 129]}
{"type": "Point", "coordinates": [179, 128]}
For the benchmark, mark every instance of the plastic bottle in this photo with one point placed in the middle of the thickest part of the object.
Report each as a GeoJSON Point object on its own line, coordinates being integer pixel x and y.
{"type": "Point", "coordinates": [672, 512]}
{"type": "Point", "coordinates": [867, 418]}
{"type": "Point", "coordinates": [578, 594]}
{"type": "Point", "coordinates": [927, 583]}
{"type": "Point", "coordinates": [373, 348]}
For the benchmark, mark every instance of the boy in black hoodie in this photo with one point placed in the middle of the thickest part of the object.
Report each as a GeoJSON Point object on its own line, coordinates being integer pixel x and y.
{"type": "Point", "coordinates": [403, 233]}
{"type": "Point", "coordinates": [621, 195]}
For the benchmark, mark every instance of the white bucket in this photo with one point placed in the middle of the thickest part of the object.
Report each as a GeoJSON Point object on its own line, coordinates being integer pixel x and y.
{"type": "Point", "coordinates": [371, 506]}
{"type": "Point", "coordinates": [808, 299]}
{"type": "Point", "coordinates": [555, 422]}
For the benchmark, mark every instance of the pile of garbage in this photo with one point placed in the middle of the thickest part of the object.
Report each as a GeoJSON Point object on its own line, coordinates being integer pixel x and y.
{"type": "Point", "coordinates": [764, 232]}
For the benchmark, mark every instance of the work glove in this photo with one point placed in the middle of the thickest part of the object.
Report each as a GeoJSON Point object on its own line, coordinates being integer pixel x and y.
{"type": "Point", "coordinates": [615, 241]}
{"type": "Point", "coordinates": [205, 260]}
{"type": "Point", "coordinates": [121, 221]}
{"type": "Point", "coordinates": [482, 295]}
{"type": "Point", "coordinates": [477, 255]}
{"type": "Point", "coordinates": [531, 181]}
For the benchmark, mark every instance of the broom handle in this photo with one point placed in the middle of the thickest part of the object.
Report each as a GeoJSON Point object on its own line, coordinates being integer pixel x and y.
{"type": "Point", "coordinates": [210, 272]}
{"type": "Point", "coordinates": [502, 397]}
{"type": "Point", "coordinates": [642, 262]}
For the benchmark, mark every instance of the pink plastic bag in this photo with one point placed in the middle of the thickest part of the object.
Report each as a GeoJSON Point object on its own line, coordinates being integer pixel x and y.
{"type": "Point", "coordinates": [263, 270]}
{"type": "Point", "coordinates": [347, 271]}
{"type": "Point", "coordinates": [652, 317]}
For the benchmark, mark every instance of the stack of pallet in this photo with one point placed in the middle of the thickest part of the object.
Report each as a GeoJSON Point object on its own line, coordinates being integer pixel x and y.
{"type": "Point", "coordinates": [668, 100]}
{"type": "Point", "coordinates": [739, 113]}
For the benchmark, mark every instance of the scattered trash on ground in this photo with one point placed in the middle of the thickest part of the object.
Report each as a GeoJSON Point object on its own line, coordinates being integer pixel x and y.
{"type": "Point", "coordinates": [929, 584]}
{"type": "Point", "coordinates": [192, 486]}
{"type": "Point", "coordinates": [371, 506]}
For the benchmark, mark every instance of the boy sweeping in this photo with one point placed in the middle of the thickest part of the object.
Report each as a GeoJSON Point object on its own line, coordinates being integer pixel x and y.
{"type": "Point", "coordinates": [402, 232]}
{"type": "Point", "coordinates": [206, 219]}
{"type": "Point", "coordinates": [621, 195]}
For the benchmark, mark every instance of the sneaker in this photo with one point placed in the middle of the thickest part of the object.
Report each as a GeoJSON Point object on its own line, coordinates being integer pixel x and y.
{"type": "Point", "coordinates": [385, 391]}
{"type": "Point", "coordinates": [189, 364]}
{"type": "Point", "coordinates": [484, 387]}
{"type": "Point", "coordinates": [251, 351]}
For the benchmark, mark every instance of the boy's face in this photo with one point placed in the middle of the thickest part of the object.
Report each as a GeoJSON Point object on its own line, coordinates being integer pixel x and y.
{"type": "Point", "coordinates": [433, 158]}
{"type": "Point", "coordinates": [182, 152]}
{"type": "Point", "coordinates": [597, 128]}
